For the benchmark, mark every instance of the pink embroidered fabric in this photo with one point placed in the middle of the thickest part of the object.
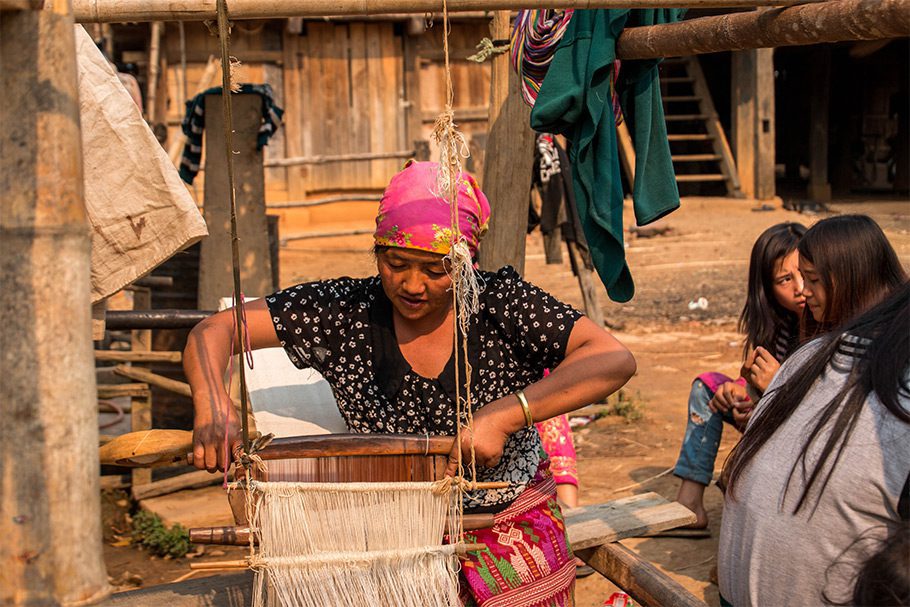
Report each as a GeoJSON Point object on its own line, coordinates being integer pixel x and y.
{"type": "Point", "coordinates": [556, 436]}
{"type": "Point", "coordinates": [412, 216]}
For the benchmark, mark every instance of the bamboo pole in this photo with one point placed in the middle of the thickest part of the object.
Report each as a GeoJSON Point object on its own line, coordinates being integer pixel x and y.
{"type": "Point", "coordinates": [93, 11]}
{"type": "Point", "coordinates": [151, 95]}
{"type": "Point", "coordinates": [300, 160]}
{"type": "Point", "coordinates": [50, 511]}
{"type": "Point", "coordinates": [833, 21]}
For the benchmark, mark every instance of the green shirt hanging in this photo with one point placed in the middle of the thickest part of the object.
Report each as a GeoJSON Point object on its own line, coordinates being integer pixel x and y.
{"type": "Point", "coordinates": [575, 100]}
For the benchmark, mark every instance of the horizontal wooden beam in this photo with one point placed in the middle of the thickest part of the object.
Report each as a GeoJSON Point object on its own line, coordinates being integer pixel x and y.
{"type": "Point", "coordinates": [138, 356]}
{"type": "Point", "coordinates": [301, 160]}
{"type": "Point", "coordinates": [107, 11]}
{"type": "Point", "coordinates": [643, 581]}
{"type": "Point", "coordinates": [318, 202]}
{"type": "Point", "coordinates": [832, 21]}
{"type": "Point", "coordinates": [20, 5]}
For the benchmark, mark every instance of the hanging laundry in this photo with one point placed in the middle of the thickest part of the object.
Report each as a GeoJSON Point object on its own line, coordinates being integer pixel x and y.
{"type": "Point", "coordinates": [139, 211]}
{"type": "Point", "coordinates": [553, 179]}
{"type": "Point", "coordinates": [576, 100]}
{"type": "Point", "coordinates": [193, 125]}
{"type": "Point", "coordinates": [535, 36]}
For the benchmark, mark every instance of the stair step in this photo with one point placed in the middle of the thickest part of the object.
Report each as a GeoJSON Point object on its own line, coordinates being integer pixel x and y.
{"type": "Point", "coordinates": [680, 98]}
{"type": "Point", "coordinates": [675, 79]}
{"type": "Point", "coordinates": [695, 157]}
{"type": "Point", "coordinates": [689, 137]}
{"type": "Point", "coordinates": [685, 117]}
{"type": "Point", "coordinates": [706, 177]}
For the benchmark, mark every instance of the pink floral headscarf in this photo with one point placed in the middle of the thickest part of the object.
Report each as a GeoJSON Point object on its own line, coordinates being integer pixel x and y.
{"type": "Point", "coordinates": [412, 216]}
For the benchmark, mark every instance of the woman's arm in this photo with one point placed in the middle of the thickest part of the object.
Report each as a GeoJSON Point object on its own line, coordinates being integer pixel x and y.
{"type": "Point", "coordinates": [205, 360]}
{"type": "Point", "coordinates": [596, 365]}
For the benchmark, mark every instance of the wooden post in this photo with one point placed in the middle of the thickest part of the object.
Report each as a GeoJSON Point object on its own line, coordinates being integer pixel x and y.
{"type": "Point", "coordinates": [151, 94]}
{"type": "Point", "coordinates": [215, 279]}
{"type": "Point", "coordinates": [50, 512]}
{"type": "Point", "coordinates": [141, 406]}
{"type": "Point", "coordinates": [753, 121]}
{"type": "Point", "coordinates": [507, 163]}
{"type": "Point", "coordinates": [820, 90]}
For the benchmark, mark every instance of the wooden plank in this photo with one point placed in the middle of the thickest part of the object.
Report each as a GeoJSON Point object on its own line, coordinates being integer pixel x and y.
{"type": "Point", "coordinates": [589, 287]}
{"type": "Point", "coordinates": [765, 124]}
{"type": "Point", "coordinates": [190, 480]}
{"type": "Point", "coordinates": [215, 274]}
{"type": "Point", "coordinates": [701, 177]}
{"type": "Point", "coordinates": [696, 157]}
{"type": "Point", "coordinates": [140, 419]}
{"type": "Point", "coordinates": [643, 514]}
{"type": "Point", "coordinates": [293, 112]}
{"type": "Point", "coordinates": [118, 390]}
{"type": "Point", "coordinates": [132, 357]}
{"type": "Point", "coordinates": [205, 507]}
{"type": "Point", "coordinates": [227, 590]}
{"type": "Point", "coordinates": [643, 581]}
{"type": "Point", "coordinates": [411, 103]}
{"type": "Point", "coordinates": [689, 137]}
{"type": "Point", "coordinates": [154, 379]}
{"type": "Point", "coordinates": [626, 151]}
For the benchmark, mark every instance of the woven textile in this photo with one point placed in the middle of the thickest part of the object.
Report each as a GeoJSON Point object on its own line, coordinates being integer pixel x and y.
{"type": "Point", "coordinates": [528, 561]}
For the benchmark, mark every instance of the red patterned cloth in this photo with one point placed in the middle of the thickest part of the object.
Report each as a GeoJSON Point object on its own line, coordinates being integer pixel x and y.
{"type": "Point", "coordinates": [528, 561]}
{"type": "Point", "coordinates": [556, 436]}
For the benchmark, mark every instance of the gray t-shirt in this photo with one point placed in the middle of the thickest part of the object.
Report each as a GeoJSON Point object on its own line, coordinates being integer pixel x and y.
{"type": "Point", "coordinates": [769, 556]}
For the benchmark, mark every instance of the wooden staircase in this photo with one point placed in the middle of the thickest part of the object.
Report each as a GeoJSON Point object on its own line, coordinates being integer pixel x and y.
{"type": "Point", "coordinates": [699, 147]}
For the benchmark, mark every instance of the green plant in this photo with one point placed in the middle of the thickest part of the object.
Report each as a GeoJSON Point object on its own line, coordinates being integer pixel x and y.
{"type": "Point", "coordinates": [621, 405]}
{"type": "Point", "coordinates": [150, 532]}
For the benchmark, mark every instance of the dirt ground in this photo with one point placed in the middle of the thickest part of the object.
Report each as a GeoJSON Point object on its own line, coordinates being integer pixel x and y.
{"type": "Point", "coordinates": [704, 254]}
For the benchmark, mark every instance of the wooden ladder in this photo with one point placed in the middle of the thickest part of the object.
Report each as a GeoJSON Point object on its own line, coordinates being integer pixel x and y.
{"type": "Point", "coordinates": [699, 147]}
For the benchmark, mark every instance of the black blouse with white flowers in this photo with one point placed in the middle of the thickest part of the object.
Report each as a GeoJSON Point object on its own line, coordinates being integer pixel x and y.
{"type": "Point", "coordinates": [343, 329]}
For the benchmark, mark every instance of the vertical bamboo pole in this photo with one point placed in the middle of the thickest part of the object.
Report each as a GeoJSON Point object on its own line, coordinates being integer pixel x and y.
{"type": "Point", "coordinates": [151, 95]}
{"type": "Point", "coordinates": [50, 513]}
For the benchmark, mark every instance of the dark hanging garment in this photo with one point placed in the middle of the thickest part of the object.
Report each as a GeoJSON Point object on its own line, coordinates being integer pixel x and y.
{"type": "Point", "coordinates": [576, 100]}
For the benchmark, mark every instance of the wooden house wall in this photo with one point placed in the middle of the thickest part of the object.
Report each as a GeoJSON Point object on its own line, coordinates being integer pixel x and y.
{"type": "Point", "coordinates": [347, 87]}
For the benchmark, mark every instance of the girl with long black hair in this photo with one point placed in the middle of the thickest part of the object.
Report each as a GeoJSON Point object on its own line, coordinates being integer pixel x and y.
{"type": "Point", "coordinates": [825, 456]}
{"type": "Point", "coordinates": [770, 323]}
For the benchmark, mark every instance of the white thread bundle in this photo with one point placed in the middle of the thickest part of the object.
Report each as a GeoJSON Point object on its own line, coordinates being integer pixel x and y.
{"type": "Point", "coordinates": [353, 544]}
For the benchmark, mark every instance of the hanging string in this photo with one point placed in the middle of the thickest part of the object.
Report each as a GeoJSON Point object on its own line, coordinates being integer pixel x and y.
{"type": "Point", "coordinates": [227, 62]}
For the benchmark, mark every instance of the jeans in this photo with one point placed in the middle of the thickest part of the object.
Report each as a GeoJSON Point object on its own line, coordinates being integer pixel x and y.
{"type": "Point", "coordinates": [703, 431]}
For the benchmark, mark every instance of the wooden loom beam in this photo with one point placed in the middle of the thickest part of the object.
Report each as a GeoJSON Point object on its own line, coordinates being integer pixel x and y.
{"type": "Point", "coordinates": [101, 11]}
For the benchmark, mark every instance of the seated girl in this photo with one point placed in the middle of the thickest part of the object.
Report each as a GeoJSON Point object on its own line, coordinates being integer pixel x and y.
{"type": "Point", "coordinates": [770, 322]}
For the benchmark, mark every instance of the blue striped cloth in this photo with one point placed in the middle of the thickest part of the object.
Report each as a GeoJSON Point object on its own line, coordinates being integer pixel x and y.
{"type": "Point", "coordinates": [193, 125]}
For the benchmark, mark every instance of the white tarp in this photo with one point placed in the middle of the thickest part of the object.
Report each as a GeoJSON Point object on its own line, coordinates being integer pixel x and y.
{"type": "Point", "coordinates": [139, 209]}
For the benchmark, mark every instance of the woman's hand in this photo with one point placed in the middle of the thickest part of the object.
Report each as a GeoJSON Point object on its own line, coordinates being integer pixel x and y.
{"type": "Point", "coordinates": [493, 424]}
{"type": "Point", "coordinates": [760, 368]}
{"type": "Point", "coordinates": [728, 396]}
{"type": "Point", "coordinates": [214, 417]}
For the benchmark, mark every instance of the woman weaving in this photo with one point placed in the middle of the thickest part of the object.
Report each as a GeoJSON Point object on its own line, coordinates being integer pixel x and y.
{"type": "Point", "coordinates": [385, 345]}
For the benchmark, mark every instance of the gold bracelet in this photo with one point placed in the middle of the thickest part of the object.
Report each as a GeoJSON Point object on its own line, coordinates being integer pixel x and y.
{"type": "Point", "coordinates": [525, 408]}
